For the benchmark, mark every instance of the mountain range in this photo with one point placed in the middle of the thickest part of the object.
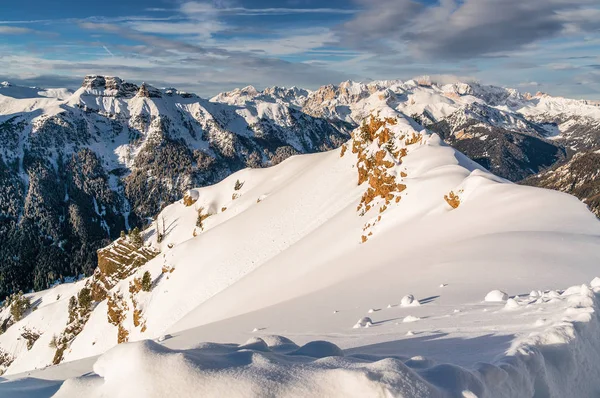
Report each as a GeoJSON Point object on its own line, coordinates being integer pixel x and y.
{"type": "Point", "coordinates": [393, 265]}
{"type": "Point", "coordinates": [77, 168]}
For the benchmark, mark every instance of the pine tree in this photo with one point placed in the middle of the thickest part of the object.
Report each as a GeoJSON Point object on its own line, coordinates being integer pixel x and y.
{"type": "Point", "coordinates": [135, 237]}
{"type": "Point", "coordinates": [85, 299]}
{"type": "Point", "coordinates": [19, 305]}
{"type": "Point", "coordinates": [147, 282]}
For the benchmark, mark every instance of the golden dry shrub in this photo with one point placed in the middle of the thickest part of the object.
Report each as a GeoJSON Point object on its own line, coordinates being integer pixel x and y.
{"type": "Point", "coordinates": [166, 269]}
{"type": "Point", "coordinates": [135, 286]}
{"type": "Point", "coordinates": [137, 317]}
{"type": "Point", "coordinates": [452, 199]}
{"type": "Point", "coordinates": [343, 151]}
{"type": "Point", "coordinates": [122, 335]}
{"type": "Point", "coordinates": [116, 309]}
{"type": "Point", "coordinates": [189, 198]}
{"type": "Point", "coordinates": [414, 139]}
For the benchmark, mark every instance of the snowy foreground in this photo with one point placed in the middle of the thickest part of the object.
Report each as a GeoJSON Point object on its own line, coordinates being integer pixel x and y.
{"type": "Point", "coordinates": [408, 294]}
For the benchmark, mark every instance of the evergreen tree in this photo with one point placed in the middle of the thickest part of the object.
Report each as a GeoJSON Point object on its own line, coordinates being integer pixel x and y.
{"type": "Point", "coordinates": [146, 281]}
{"type": "Point", "coordinates": [85, 299]}
{"type": "Point", "coordinates": [135, 237]}
{"type": "Point", "coordinates": [238, 185]}
{"type": "Point", "coordinates": [19, 305]}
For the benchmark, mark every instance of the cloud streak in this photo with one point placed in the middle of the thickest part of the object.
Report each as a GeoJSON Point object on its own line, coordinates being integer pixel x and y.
{"type": "Point", "coordinates": [11, 30]}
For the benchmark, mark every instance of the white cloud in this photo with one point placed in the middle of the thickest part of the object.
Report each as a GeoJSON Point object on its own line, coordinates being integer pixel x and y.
{"type": "Point", "coordinates": [12, 30]}
{"type": "Point", "coordinates": [196, 8]}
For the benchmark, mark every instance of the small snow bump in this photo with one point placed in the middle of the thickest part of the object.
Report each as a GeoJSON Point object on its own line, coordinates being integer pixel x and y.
{"type": "Point", "coordinates": [363, 323]}
{"type": "Point", "coordinates": [335, 311]}
{"type": "Point", "coordinates": [163, 337]}
{"type": "Point", "coordinates": [443, 285]}
{"type": "Point", "coordinates": [410, 319]}
{"type": "Point", "coordinates": [511, 304]}
{"type": "Point", "coordinates": [410, 333]}
{"type": "Point", "coordinates": [319, 349]}
{"type": "Point", "coordinates": [409, 301]}
{"type": "Point", "coordinates": [496, 296]}
{"type": "Point", "coordinates": [456, 311]}
{"type": "Point", "coordinates": [595, 282]}
{"type": "Point", "coordinates": [551, 294]}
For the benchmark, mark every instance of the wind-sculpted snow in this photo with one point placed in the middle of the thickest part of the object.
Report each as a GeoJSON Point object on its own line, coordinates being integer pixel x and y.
{"type": "Point", "coordinates": [560, 361]}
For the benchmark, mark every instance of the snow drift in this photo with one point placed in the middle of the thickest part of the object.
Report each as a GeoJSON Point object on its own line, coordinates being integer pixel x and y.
{"type": "Point", "coordinates": [275, 366]}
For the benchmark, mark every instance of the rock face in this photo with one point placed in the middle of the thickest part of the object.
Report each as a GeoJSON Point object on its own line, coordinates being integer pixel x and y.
{"type": "Point", "coordinates": [579, 177]}
{"type": "Point", "coordinates": [116, 262]}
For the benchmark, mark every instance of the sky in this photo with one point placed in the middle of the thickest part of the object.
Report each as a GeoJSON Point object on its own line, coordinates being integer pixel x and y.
{"type": "Point", "coordinates": [211, 46]}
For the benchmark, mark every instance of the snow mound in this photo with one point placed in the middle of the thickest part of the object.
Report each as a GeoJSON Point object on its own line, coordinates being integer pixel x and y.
{"type": "Point", "coordinates": [496, 296]}
{"type": "Point", "coordinates": [150, 370]}
{"type": "Point", "coordinates": [533, 365]}
{"type": "Point", "coordinates": [409, 301]}
{"type": "Point", "coordinates": [319, 349]}
{"type": "Point", "coordinates": [410, 318]}
{"type": "Point", "coordinates": [595, 282]}
{"type": "Point", "coordinates": [511, 304]}
{"type": "Point", "coordinates": [363, 323]}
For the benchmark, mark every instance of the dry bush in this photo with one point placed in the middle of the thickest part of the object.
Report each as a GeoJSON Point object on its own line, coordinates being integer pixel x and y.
{"type": "Point", "coordinates": [452, 199]}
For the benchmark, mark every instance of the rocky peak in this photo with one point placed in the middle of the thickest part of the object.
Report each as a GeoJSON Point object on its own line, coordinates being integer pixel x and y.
{"type": "Point", "coordinates": [147, 91]}
{"type": "Point", "coordinates": [109, 86]}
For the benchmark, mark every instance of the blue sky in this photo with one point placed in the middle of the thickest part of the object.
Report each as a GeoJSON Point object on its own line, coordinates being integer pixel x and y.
{"type": "Point", "coordinates": [212, 46]}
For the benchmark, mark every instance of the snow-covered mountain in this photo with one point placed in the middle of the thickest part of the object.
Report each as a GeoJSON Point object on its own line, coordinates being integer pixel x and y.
{"type": "Point", "coordinates": [580, 176]}
{"type": "Point", "coordinates": [78, 168]}
{"type": "Point", "coordinates": [393, 229]}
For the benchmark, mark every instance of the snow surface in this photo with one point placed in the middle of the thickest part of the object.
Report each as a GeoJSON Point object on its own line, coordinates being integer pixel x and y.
{"type": "Point", "coordinates": [283, 256]}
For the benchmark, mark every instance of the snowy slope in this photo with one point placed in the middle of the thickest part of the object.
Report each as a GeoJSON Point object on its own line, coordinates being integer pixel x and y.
{"type": "Point", "coordinates": [302, 250]}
